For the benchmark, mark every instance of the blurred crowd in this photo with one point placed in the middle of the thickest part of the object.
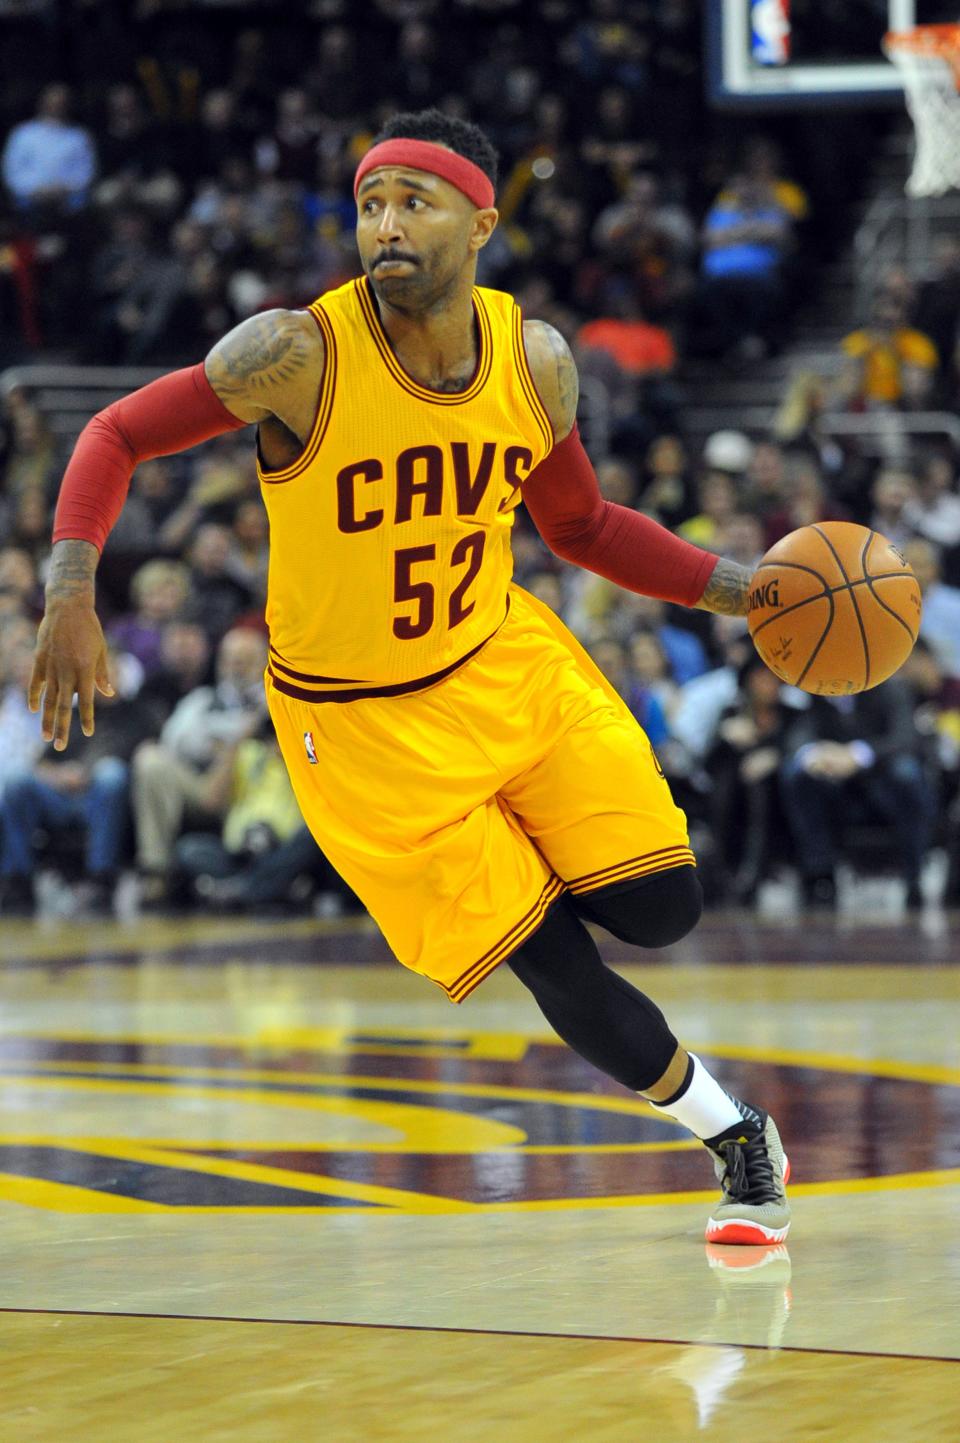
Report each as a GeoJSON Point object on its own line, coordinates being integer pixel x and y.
{"type": "Point", "coordinates": [193, 165]}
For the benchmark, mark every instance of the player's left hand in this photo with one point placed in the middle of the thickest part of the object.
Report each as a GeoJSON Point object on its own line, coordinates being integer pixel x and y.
{"type": "Point", "coordinates": [71, 660]}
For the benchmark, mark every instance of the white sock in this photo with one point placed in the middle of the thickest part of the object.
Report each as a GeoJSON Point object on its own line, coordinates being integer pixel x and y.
{"type": "Point", "coordinates": [704, 1107]}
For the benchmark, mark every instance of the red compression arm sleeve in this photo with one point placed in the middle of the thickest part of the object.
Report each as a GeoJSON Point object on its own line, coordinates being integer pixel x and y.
{"type": "Point", "coordinates": [178, 411]}
{"type": "Point", "coordinates": [563, 497]}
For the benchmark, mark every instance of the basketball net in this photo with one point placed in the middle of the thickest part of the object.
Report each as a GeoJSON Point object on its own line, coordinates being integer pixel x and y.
{"type": "Point", "coordinates": [928, 58]}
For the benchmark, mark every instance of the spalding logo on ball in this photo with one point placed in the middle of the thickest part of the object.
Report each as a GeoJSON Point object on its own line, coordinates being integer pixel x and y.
{"type": "Point", "coordinates": [834, 608]}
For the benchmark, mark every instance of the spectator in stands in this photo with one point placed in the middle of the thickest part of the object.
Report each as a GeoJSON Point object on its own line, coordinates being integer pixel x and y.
{"type": "Point", "coordinates": [744, 762]}
{"type": "Point", "coordinates": [747, 241]}
{"type": "Point", "coordinates": [806, 501]}
{"type": "Point", "coordinates": [20, 739]}
{"type": "Point", "coordinates": [935, 311]}
{"type": "Point", "coordinates": [654, 685]}
{"type": "Point", "coordinates": [250, 549]}
{"type": "Point", "coordinates": [154, 487]}
{"type": "Point", "coordinates": [652, 681]}
{"type": "Point", "coordinates": [933, 512]}
{"type": "Point", "coordinates": [217, 598]}
{"type": "Point", "coordinates": [290, 152]}
{"type": "Point", "coordinates": [858, 757]}
{"type": "Point", "coordinates": [936, 699]}
{"type": "Point", "coordinates": [19, 580]}
{"type": "Point", "coordinates": [168, 775]}
{"type": "Point", "coordinates": [613, 146]}
{"type": "Point", "coordinates": [940, 619]}
{"type": "Point", "coordinates": [137, 284]}
{"type": "Point", "coordinates": [728, 451]}
{"type": "Point", "coordinates": [334, 80]}
{"type": "Point", "coordinates": [263, 854]}
{"type": "Point", "coordinates": [48, 162]}
{"type": "Point", "coordinates": [607, 48]}
{"type": "Point", "coordinates": [546, 587]}
{"type": "Point", "coordinates": [614, 661]}
{"type": "Point", "coordinates": [889, 365]}
{"type": "Point", "coordinates": [222, 132]}
{"type": "Point", "coordinates": [667, 492]}
{"type": "Point", "coordinates": [421, 70]}
{"type": "Point", "coordinates": [717, 504]}
{"type": "Point", "coordinates": [650, 241]}
{"type": "Point", "coordinates": [219, 481]}
{"type": "Point", "coordinates": [763, 164]}
{"type": "Point", "coordinates": [799, 423]}
{"type": "Point", "coordinates": [134, 167]}
{"type": "Point", "coordinates": [159, 590]}
{"type": "Point", "coordinates": [638, 348]}
{"type": "Point", "coordinates": [85, 787]}
{"type": "Point", "coordinates": [765, 482]}
{"type": "Point", "coordinates": [892, 491]}
{"type": "Point", "coordinates": [30, 529]}
{"type": "Point", "coordinates": [744, 539]}
{"type": "Point", "coordinates": [184, 665]}
{"type": "Point", "coordinates": [634, 360]}
{"type": "Point", "coordinates": [32, 456]}
{"type": "Point", "coordinates": [617, 480]}
{"type": "Point", "coordinates": [703, 699]}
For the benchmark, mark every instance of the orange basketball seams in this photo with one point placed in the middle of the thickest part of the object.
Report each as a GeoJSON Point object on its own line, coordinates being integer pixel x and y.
{"type": "Point", "coordinates": [834, 608]}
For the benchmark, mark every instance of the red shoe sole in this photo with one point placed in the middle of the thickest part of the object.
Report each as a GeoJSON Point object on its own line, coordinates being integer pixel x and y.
{"type": "Point", "coordinates": [747, 1234]}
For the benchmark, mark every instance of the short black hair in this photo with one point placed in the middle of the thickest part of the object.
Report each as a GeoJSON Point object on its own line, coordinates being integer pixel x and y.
{"type": "Point", "coordinates": [458, 135]}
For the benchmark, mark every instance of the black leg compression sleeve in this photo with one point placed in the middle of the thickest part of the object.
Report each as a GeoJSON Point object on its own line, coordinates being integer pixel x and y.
{"type": "Point", "coordinates": [595, 1011]}
{"type": "Point", "coordinates": [649, 911]}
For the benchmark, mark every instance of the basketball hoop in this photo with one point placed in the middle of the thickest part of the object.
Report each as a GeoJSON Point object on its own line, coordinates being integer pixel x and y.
{"type": "Point", "coordinates": [928, 58]}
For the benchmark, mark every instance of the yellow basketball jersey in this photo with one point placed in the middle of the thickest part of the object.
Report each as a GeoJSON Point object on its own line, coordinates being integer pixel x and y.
{"type": "Point", "coordinates": [390, 535]}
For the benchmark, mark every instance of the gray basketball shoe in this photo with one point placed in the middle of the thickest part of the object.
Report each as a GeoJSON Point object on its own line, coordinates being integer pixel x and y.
{"type": "Point", "coordinates": [753, 1170]}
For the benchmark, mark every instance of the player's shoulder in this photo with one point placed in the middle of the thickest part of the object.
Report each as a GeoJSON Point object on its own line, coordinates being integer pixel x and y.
{"type": "Point", "coordinates": [273, 352]}
{"type": "Point", "coordinates": [554, 373]}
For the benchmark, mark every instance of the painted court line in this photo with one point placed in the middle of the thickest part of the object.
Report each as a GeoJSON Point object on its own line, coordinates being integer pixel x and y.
{"type": "Point", "coordinates": [475, 1332]}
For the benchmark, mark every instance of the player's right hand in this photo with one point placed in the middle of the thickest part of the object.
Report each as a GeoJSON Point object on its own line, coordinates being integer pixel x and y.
{"type": "Point", "coordinates": [71, 659]}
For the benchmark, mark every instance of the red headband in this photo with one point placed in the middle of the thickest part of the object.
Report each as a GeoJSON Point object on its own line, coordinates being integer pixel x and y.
{"type": "Point", "coordinates": [424, 155]}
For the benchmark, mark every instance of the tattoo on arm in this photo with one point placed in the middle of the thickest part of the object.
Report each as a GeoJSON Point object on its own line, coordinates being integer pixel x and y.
{"type": "Point", "coordinates": [259, 357]}
{"type": "Point", "coordinates": [568, 382]}
{"type": "Point", "coordinates": [726, 591]}
{"type": "Point", "coordinates": [555, 371]}
{"type": "Point", "coordinates": [73, 565]}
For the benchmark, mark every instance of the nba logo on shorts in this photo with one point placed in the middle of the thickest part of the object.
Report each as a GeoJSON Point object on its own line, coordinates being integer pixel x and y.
{"type": "Point", "coordinates": [311, 749]}
{"type": "Point", "coordinates": [770, 31]}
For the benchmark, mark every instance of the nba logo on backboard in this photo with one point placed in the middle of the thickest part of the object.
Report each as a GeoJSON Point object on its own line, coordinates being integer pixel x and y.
{"type": "Point", "coordinates": [311, 749]}
{"type": "Point", "coordinates": [770, 31]}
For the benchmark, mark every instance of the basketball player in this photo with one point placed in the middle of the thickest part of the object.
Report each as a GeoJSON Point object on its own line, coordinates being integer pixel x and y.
{"type": "Point", "coordinates": [458, 757]}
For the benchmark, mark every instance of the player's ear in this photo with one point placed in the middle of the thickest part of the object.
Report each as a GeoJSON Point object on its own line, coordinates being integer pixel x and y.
{"type": "Point", "coordinates": [483, 226]}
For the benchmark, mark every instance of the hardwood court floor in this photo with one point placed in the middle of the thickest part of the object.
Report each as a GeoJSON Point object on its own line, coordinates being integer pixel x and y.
{"type": "Point", "coordinates": [259, 1184]}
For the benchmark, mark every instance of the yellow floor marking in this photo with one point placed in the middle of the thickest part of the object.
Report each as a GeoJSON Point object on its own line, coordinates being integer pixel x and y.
{"type": "Point", "coordinates": [105, 1145]}
{"type": "Point", "coordinates": [930, 1072]}
{"type": "Point", "coordinates": [484, 1046]}
{"type": "Point", "coordinates": [39, 1193]}
{"type": "Point", "coordinates": [64, 1197]}
{"type": "Point", "coordinates": [907, 1181]}
{"type": "Point", "coordinates": [397, 1198]}
{"type": "Point", "coordinates": [493, 1046]}
{"type": "Point", "coordinates": [433, 1129]}
{"type": "Point", "coordinates": [22, 1071]}
{"type": "Point", "coordinates": [32, 942]}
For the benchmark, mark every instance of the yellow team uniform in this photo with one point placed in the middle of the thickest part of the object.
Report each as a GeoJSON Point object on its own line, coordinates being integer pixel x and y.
{"type": "Point", "coordinates": [457, 755]}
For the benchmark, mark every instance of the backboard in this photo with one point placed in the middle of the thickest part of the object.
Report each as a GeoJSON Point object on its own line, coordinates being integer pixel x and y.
{"type": "Point", "coordinates": [784, 54]}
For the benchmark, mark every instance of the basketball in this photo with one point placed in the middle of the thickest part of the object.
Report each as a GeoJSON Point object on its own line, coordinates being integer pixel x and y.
{"type": "Point", "coordinates": [834, 608]}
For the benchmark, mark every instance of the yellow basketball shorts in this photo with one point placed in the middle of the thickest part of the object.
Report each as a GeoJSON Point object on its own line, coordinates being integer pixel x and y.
{"type": "Point", "coordinates": [459, 813]}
